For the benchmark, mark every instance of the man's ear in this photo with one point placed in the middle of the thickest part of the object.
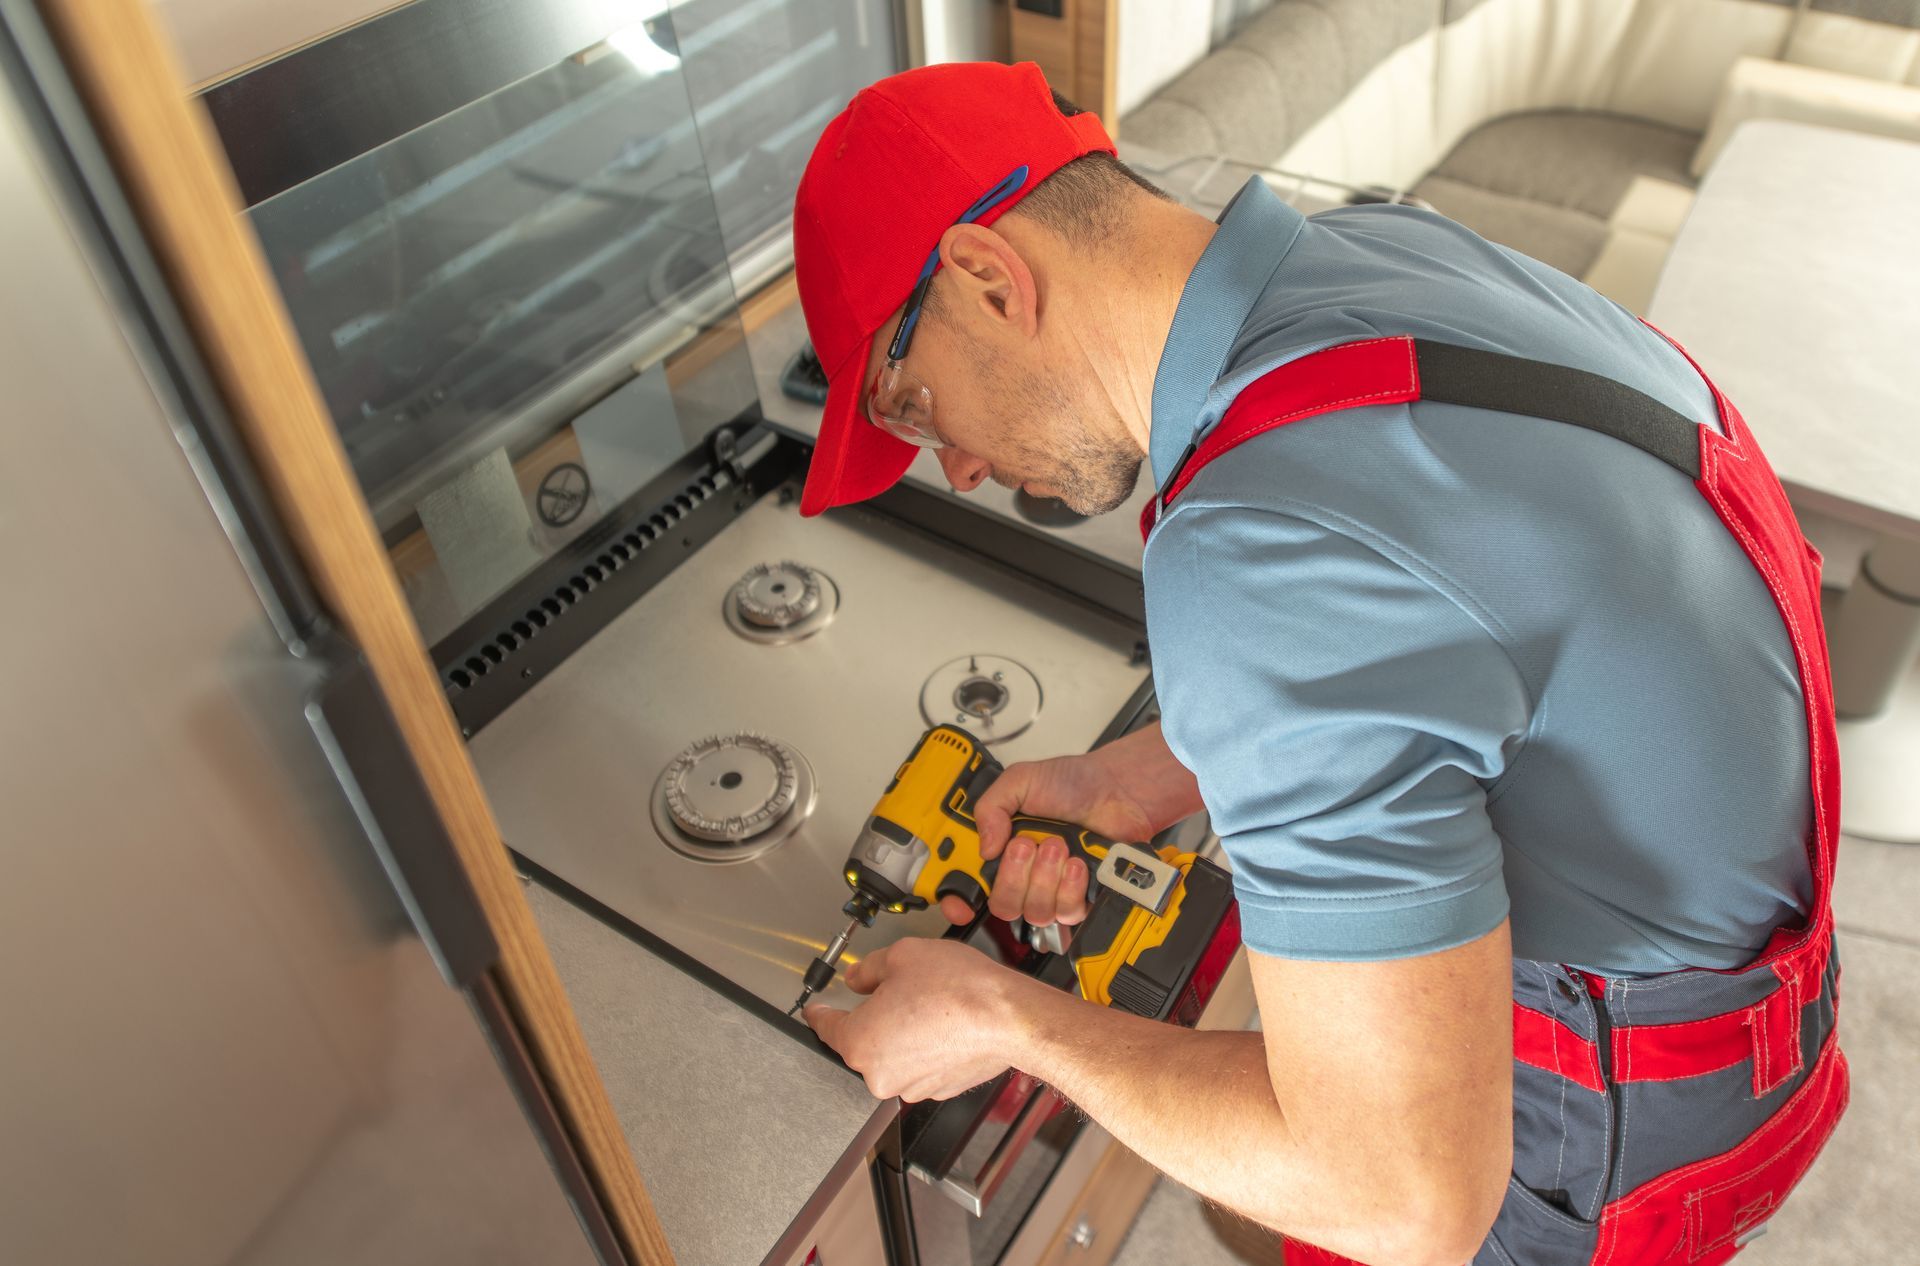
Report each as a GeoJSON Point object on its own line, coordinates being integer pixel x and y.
{"type": "Point", "coordinates": [992, 277]}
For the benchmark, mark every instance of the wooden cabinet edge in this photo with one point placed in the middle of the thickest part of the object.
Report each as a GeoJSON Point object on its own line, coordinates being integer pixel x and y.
{"type": "Point", "coordinates": [1078, 52]}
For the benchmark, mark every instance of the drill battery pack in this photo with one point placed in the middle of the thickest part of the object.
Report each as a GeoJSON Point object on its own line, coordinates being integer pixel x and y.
{"type": "Point", "coordinates": [1162, 967]}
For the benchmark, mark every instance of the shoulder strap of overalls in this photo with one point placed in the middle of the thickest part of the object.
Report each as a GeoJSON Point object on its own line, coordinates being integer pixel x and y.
{"type": "Point", "coordinates": [1403, 369]}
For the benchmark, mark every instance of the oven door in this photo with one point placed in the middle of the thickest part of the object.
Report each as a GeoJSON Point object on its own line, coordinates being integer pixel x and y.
{"type": "Point", "coordinates": [970, 1192]}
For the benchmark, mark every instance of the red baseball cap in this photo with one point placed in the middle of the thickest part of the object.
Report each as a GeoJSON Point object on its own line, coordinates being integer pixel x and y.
{"type": "Point", "coordinates": [900, 164]}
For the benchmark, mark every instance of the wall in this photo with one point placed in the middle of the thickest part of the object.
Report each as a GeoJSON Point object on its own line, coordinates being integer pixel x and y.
{"type": "Point", "coordinates": [963, 30]}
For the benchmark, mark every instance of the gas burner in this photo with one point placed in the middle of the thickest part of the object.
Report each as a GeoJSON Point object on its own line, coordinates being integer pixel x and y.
{"type": "Point", "coordinates": [993, 696]}
{"type": "Point", "coordinates": [781, 602]}
{"type": "Point", "coordinates": [732, 797]}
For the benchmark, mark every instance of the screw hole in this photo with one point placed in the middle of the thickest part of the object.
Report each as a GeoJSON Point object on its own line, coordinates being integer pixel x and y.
{"type": "Point", "coordinates": [980, 696]}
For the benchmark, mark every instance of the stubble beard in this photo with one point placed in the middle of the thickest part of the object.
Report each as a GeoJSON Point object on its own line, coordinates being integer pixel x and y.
{"type": "Point", "coordinates": [1089, 472]}
{"type": "Point", "coordinates": [1099, 480]}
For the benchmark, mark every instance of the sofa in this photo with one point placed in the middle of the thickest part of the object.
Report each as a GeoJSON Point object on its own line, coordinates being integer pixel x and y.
{"type": "Point", "coordinates": [1572, 130]}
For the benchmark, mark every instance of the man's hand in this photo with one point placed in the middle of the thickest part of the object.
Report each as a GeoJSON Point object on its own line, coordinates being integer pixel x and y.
{"type": "Point", "coordinates": [937, 1021]}
{"type": "Point", "coordinates": [1129, 790]}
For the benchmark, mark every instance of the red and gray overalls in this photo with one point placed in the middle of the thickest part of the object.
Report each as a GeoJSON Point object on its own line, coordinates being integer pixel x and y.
{"type": "Point", "coordinates": [1660, 1119]}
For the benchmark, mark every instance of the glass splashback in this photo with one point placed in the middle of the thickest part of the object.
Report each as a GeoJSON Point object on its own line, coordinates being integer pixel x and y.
{"type": "Point", "coordinates": [766, 76]}
{"type": "Point", "coordinates": [518, 313]}
{"type": "Point", "coordinates": [511, 233]}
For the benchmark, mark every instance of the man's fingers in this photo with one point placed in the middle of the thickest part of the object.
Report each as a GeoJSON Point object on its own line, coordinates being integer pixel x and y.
{"type": "Point", "coordinates": [956, 910]}
{"type": "Point", "coordinates": [828, 1022]}
{"type": "Point", "coordinates": [1072, 905]}
{"type": "Point", "coordinates": [865, 976]}
{"type": "Point", "coordinates": [1043, 888]}
{"type": "Point", "coordinates": [993, 815]}
{"type": "Point", "coordinates": [1010, 884]}
{"type": "Point", "coordinates": [995, 824]}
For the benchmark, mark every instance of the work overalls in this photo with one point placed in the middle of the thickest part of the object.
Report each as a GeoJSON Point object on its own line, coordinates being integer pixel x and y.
{"type": "Point", "coordinates": [1662, 1119]}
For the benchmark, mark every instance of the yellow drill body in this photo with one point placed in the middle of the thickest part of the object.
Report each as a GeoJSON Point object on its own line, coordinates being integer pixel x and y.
{"type": "Point", "coordinates": [921, 843]}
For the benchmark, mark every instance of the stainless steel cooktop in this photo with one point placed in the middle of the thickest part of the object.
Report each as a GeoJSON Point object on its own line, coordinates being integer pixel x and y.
{"type": "Point", "coordinates": [702, 765]}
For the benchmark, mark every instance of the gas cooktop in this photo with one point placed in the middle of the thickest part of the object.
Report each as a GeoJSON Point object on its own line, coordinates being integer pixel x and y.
{"type": "Point", "coordinates": [702, 764]}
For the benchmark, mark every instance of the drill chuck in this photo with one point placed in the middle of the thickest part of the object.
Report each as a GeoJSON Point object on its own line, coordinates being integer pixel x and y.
{"type": "Point", "coordinates": [821, 971]}
{"type": "Point", "coordinates": [820, 974]}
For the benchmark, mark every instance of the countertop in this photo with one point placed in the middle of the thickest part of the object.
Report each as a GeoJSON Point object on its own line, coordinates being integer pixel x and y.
{"type": "Point", "coordinates": [1792, 284]}
{"type": "Point", "coordinates": [733, 1124]}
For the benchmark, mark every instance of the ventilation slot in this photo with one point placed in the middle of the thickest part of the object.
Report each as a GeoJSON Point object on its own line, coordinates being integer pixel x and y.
{"type": "Point", "coordinates": [491, 654]}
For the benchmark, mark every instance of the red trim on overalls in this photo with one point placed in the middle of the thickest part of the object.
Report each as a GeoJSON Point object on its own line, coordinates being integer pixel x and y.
{"type": "Point", "coordinates": [1546, 1043]}
{"type": "Point", "coordinates": [1681, 1210]}
{"type": "Point", "coordinates": [1347, 376]}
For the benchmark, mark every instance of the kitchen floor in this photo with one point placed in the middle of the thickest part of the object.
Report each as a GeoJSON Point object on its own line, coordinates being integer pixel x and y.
{"type": "Point", "coordinates": [1856, 1206]}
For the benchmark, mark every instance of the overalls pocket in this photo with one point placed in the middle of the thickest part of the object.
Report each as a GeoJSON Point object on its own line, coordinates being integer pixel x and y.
{"type": "Point", "coordinates": [1532, 1230]}
{"type": "Point", "coordinates": [1701, 1214]}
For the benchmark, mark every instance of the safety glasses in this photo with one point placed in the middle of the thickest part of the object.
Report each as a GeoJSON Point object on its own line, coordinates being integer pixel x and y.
{"type": "Point", "coordinates": [900, 403]}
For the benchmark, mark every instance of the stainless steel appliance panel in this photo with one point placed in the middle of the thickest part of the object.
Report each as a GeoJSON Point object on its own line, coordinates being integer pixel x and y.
{"type": "Point", "coordinates": [571, 767]}
{"type": "Point", "coordinates": [848, 1230]}
{"type": "Point", "coordinates": [223, 1041]}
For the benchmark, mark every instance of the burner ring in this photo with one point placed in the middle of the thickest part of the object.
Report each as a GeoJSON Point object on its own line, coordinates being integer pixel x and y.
{"type": "Point", "coordinates": [782, 602]}
{"type": "Point", "coordinates": [994, 697]}
{"type": "Point", "coordinates": [732, 797]}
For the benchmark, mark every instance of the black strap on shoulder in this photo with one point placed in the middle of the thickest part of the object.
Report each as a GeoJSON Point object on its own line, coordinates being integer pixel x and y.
{"type": "Point", "coordinates": [1479, 379]}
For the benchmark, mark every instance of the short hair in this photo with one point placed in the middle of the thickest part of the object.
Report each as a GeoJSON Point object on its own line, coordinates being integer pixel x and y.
{"type": "Point", "coordinates": [1081, 202]}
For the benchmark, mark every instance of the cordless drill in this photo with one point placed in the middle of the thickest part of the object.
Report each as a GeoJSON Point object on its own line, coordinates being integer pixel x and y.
{"type": "Point", "coordinates": [1162, 925]}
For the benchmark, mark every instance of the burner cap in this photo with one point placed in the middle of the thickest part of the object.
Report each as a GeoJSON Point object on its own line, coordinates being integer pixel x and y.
{"type": "Point", "coordinates": [732, 797]}
{"type": "Point", "coordinates": [781, 602]}
{"type": "Point", "coordinates": [776, 595]}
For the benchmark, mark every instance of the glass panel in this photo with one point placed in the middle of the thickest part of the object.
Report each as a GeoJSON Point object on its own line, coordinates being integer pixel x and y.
{"type": "Point", "coordinates": [989, 1235]}
{"type": "Point", "coordinates": [766, 76]}
{"type": "Point", "coordinates": [517, 314]}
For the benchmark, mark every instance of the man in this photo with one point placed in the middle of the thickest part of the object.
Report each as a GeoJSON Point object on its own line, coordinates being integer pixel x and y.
{"type": "Point", "coordinates": [1479, 627]}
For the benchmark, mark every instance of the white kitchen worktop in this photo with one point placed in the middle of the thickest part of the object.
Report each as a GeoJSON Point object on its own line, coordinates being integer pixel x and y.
{"type": "Point", "coordinates": [1796, 284]}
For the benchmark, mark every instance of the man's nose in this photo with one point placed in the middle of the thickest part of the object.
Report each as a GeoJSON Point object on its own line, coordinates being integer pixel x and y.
{"type": "Point", "coordinates": [964, 471]}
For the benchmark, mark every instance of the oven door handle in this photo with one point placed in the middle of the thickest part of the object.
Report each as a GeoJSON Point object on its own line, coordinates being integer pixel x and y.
{"type": "Point", "coordinates": [975, 1191]}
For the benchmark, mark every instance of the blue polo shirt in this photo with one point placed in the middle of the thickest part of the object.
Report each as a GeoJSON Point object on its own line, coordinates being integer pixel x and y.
{"type": "Point", "coordinates": [1435, 666]}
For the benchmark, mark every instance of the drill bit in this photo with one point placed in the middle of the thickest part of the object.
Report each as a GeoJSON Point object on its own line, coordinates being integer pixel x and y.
{"type": "Point", "coordinates": [821, 970]}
